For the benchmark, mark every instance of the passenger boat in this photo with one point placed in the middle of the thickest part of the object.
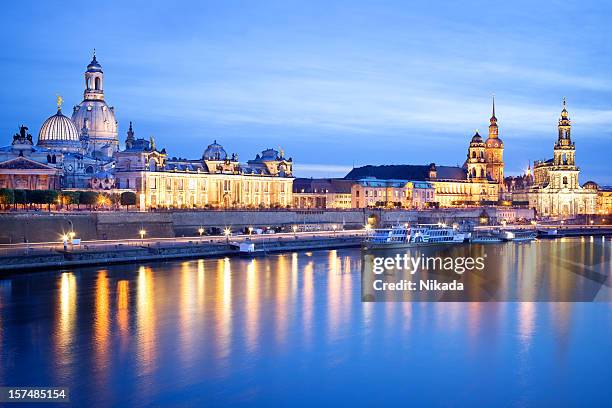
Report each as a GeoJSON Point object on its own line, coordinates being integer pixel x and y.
{"type": "Point", "coordinates": [398, 237]}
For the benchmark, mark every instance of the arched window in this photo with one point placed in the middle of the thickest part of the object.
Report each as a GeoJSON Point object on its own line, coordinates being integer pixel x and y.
{"type": "Point", "coordinates": [565, 180]}
{"type": "Point", "coordinates": [97, 82]}
{"type": "Point", "coordinates": [53, 159]}
{"type": "Point", "coordinates": [48, 158]}
{"type": "Point", "coordinates": [473, 154]}
{"type": "Point", "coordinates": [89, 170]}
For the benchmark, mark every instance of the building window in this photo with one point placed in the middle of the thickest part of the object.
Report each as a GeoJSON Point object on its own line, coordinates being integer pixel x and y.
{"type": "Point", "coordinates": [565, 180]}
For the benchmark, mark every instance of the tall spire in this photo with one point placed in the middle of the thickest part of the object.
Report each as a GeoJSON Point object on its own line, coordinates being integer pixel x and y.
{"type": "Point", "coordinates": [493, 130]}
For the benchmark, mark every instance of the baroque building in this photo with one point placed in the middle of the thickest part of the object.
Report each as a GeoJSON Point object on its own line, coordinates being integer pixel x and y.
{"type": "Point", "coordinates": [82, 152]}
{"type": "Point", "coordinates": [216, 180]}
{"type": "Point", "coordinates": [555, 189]}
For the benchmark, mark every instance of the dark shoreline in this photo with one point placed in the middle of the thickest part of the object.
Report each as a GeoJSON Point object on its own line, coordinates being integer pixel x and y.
{"type": "Point", "coordinates": [57, 260]}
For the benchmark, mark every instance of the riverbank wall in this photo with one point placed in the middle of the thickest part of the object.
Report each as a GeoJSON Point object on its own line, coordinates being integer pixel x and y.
{"type": "Point", "coordinates": [48, 227]}
{"type": "Point", "coordinates": [65, 259]}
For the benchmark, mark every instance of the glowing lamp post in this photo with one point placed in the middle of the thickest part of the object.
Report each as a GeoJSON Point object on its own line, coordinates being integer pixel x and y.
{"type": "Point", "coordinates": [250, 230]}
{"type": "Point", "coordinates": [201, 231]}
{"type": "Point", "coordinates": [142, 235]}
{"type": "Point", "coordinates": [65, 241]}
{"type": "Point", "coordinates": [227, 232]}
{"type": "Point", "coordinates": [295, 228]}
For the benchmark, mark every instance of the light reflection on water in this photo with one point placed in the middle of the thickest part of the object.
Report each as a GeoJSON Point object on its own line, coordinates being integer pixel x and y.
{"type": "Point", "coordinates": [291, 327]}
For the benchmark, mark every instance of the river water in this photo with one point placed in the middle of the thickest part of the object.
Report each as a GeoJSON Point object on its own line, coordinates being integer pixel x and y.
{"type": "Point", "coordinates": [292, 329]}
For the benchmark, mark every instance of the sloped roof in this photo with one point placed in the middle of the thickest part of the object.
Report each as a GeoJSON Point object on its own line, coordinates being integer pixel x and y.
{"type": "Point", "coordinates": [322, 185]}
{"type": "Point", "coordinates": [406, 172]}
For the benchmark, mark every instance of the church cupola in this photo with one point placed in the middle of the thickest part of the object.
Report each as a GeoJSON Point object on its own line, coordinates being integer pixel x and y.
{"type": "Point", "coordinates": [94, 80]}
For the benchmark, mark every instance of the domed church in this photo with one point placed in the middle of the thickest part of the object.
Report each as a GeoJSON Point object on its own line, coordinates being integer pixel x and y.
{"type": "Point", "coordinates": [83, 152]}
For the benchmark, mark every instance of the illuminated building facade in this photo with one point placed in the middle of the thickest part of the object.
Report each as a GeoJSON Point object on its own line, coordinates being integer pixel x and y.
{"type": "Point", "coordinates": [216, 180]}
{"type": "Point", "coordinates": [556, 191]}
{"type": "Point", "coordinates": [322, 193]}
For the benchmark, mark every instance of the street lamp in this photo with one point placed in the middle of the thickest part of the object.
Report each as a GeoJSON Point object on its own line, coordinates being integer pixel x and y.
{"type": "Point", "coordinates": [250, 230]}
{"type": "Point", "coordinates": [142, 235]}
{"type": "Point", "coordinates": [227, 233]}
{"type": "Point", "coordinates": [65, 241]}
{"type": "Point", "coordinates": [295, 228]}
{"type": "Point", "coordinates": [200, 231]}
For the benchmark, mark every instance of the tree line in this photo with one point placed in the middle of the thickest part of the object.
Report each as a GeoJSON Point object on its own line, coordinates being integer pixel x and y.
{"type": "Point", "coordinates": [15, 198]}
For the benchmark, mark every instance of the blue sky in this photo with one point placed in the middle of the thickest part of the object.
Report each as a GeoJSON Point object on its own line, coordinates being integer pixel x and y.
{"type": "Point", "coordinates": [336, 84]}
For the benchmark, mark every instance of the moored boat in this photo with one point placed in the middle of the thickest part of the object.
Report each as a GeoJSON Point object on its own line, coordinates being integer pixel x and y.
{"type": "Point", "coordinates": [399, 236]}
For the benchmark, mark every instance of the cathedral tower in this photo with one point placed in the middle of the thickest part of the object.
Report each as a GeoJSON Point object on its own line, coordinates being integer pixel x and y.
{"type": "Point", "coordinates": [494, 151]}
{"type": "Point", "coordinates": [564, 173]}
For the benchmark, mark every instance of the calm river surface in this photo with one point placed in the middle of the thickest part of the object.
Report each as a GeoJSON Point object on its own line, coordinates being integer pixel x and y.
{"type": "Point", "coordinates": [291, 329]}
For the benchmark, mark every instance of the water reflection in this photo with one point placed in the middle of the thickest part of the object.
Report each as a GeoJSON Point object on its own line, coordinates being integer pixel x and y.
{"type": "Point", "coordinates": [123, 302]}
{"type": "Point", "coordinates": [248, 325]}
{"type": "Point", "coordinates": [64, 336]}
{"type": "Point", "coordinates": [145, 317]}
{"type": "Point", "coordinates": [101, 323]}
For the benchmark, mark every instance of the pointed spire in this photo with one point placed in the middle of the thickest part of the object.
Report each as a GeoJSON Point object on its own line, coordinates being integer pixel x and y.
{"type": "Point", "coordinates": [493, 105]}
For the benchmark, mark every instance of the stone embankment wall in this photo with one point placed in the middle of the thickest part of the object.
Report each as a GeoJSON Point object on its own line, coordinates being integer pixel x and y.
{"type": "Point", "coordinates": [45, 227]}
{"type": "Point", "coordinates": [59, 259]}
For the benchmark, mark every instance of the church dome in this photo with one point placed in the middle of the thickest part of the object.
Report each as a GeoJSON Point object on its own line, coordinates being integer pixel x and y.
{"type": "Point", "coordinates": [99, 120]}
{"type": "Point", "coordinates": [58, 131]}
{"type": "Point", "coordinates": [495, 142]}
{"type": "Point", "coordinates": [476, 138]}
{"type": "Point", "coordinates": [214, 151]}
{"type": "Point", "coordinates": [94, 65]}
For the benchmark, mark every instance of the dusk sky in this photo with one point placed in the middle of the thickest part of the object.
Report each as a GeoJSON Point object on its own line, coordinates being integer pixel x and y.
{"type": "Point", "coordinates": [335, 84]}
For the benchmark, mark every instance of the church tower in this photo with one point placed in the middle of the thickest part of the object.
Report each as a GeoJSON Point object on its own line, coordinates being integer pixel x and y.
{"type": "Point", "coordinates": [494, 151]}
{"type": "Point", "coordinates": [564, 173]}
{"type": "Point", "coordinates": [94, 118]}
{"type": "Point", "coordinates": [475, 164]}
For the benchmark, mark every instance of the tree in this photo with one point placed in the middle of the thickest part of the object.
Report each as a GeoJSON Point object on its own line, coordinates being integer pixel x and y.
{"type": "Point", "coordinates": [88, 198]}
{"type": "Point", "coordinates": [128, 198]}
{"type": "Point", "coordinates": [115, 199]}
{"type": "Point", "coordinates": [20, 197]}
{"type": "Point", "coordinates": [72, 197]}
{"type": "Point", "coordinates": [7, 196]}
